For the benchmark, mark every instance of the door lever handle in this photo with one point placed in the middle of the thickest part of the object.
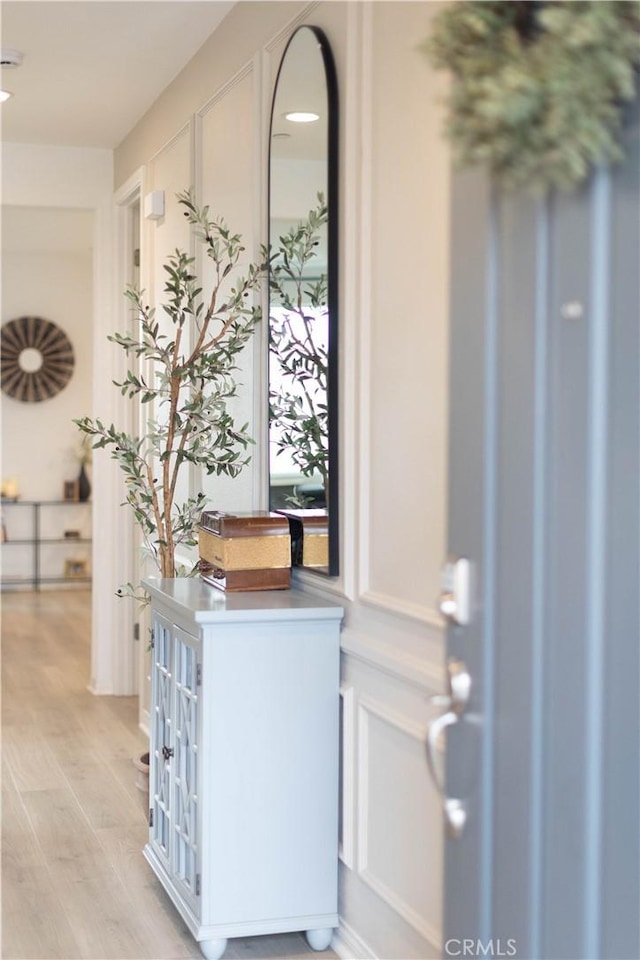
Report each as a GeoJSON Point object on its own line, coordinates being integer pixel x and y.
{"type": "Point", "coordinates": [455, 703]}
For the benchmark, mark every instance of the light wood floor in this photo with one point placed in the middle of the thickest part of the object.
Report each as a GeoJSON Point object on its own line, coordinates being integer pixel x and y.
{"type": "Point", "coordinates": [74, 882]}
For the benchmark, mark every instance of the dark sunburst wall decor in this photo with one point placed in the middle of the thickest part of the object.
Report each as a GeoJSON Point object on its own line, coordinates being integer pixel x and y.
{"type": "Point", "coordinates": [36, 359]}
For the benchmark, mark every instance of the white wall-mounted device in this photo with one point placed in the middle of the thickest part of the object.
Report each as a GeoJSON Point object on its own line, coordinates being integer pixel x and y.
{"type": "Point", "coordinates": [154, 205]}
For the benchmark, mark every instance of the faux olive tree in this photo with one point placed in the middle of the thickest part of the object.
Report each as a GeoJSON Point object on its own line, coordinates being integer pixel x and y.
{"type": "Point", "coordinates": [191, 381]}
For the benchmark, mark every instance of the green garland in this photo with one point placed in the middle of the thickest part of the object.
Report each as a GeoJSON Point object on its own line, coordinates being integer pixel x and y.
{"type": "Point", "coordinates": [539, 88]}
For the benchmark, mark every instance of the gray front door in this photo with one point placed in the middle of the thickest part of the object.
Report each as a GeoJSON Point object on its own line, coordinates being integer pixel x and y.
{"type": "Point", "coordinates": [544, 501]}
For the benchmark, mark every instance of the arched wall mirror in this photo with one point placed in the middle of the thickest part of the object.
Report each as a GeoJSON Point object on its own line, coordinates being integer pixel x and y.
{"type": "Point", "coordinates": [303, 300]}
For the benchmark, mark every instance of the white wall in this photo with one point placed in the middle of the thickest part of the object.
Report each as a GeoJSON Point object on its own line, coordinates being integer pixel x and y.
{"type": "Point", "coordinates": [48, 272]}
{"type": "Point", "coordinates": [39, 440]}
{"type": "Point", "coordinates": [212, 125]}
{"type": "Point", "coordinates": [76, 179]}
{"type": "Point", "coordinates": [40, 176]}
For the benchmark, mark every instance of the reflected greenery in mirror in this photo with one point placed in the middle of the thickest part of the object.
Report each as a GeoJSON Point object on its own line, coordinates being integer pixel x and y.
{"type": "Point", "coordinates": [303, 301]}
{"type": "Point", "coordinates": [298, 358]}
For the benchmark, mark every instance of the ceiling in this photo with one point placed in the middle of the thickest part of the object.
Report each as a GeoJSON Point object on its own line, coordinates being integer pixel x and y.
{"type": "Point", "coordinates": [92, 68]}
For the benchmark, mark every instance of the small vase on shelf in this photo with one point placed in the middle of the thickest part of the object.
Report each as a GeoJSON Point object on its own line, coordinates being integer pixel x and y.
{"type": "Point", "coordinates": [84, 487]}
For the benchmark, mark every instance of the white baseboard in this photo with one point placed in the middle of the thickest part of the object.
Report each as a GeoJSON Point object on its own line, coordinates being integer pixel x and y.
{"type": "Point", "coordinates": [349, 946]}
{"type": "Point", "coordinates": [98, 691]}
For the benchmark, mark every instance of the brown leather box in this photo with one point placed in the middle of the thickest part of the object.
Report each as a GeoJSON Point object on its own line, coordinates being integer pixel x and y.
{"type": "Point", "coordinates": [245, 551]}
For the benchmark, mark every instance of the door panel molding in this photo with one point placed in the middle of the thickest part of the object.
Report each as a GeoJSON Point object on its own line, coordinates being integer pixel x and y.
{"type": "Point", "coordinates": [545, 460]}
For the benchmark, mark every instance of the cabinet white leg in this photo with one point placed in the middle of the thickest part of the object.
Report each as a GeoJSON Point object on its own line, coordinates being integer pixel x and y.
{"type": "Point", "coordinates": [319, 939]}
{"type": "Point", "coordinates": [213, 949]}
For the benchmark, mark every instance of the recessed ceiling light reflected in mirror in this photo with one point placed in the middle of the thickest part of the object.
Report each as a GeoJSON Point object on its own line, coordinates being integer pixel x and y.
{"type": "Point", "coordinates": [300, 116]}
{"type": "Point", "coordinates": [4, 95]}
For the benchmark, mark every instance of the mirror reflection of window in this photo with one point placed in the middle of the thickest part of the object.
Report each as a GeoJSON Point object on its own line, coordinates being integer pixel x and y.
{"type": "Point", "coordinates": [298, 367]}
{"type": "Point", "coordinates": [284, 461]}
{"type": "Point", "coordinates": [302, 315]}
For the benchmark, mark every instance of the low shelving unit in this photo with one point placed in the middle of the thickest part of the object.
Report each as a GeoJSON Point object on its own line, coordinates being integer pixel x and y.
{"type": "Point", "coordinates": [75, 569]}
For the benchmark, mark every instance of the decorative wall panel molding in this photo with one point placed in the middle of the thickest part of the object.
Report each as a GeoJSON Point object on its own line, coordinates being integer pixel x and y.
{"type": "Point", "coordinates": [230, 181]}
{"type": "Point", "coordinates": [185, 130]}
{"type": "Point", "coordinates": [404, 608]}
{"type": "Point", "coordinates": [222, 92]}
{"type": "Point", "coordinates": [284, 34]}
{"type": "Point", "coordinates": [417, 732]}
{"type": "Point", "coordinates": [423, 674]}
{"type": "Point", "coordinates": [363, 259]}
{"type": "Point", "coordinates": [399, 516]}
{"type": "Point", "coordinates": [347, 793]}
{"type": "Point", "coordinates": [351, 170]}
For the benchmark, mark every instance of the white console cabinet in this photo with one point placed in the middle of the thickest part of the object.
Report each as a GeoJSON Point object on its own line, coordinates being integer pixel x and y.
{"type": "Point", "coordinates": [243, 819]}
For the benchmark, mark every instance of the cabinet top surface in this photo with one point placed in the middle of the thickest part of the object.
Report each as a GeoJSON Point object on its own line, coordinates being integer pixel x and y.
{"type": "Point", "coordinates": [206, 604]}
